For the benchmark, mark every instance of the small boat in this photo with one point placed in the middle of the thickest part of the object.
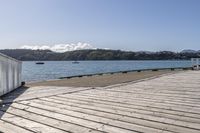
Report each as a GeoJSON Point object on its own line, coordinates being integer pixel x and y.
{"type": "Point", "coordinates": [39, 63]}
{"type": "Point", "coordinates": [75, 62]}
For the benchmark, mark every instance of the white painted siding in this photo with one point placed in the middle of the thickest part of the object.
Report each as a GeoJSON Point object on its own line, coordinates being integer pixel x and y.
{"type": "Point", "coordinates": [10, 74]}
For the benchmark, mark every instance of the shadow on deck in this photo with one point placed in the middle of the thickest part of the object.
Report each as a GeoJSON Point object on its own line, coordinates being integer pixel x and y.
{"type": "Point", "coordinates": [7, 99]}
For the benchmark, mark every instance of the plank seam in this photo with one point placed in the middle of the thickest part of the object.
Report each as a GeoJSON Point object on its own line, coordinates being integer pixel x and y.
{"type": "Point", "coordinates": [151, 120]}
{"type": "Point", "coordinates": [74, 117]}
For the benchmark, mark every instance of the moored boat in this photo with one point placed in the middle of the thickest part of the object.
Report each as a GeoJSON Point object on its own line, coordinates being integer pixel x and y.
{"type": "Point", "coordinates": [75, 62]}
{"type": "Point", "coordinates": [39, 63]}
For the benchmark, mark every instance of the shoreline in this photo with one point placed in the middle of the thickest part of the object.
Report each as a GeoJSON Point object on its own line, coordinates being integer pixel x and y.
{"type": "Point", "coordinates": [114, 72]}
{"type": "Point", "coordinates": [104, 79]}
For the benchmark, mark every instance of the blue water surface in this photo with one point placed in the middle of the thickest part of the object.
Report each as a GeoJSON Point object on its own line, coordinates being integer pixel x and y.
{"type": "Point", "coordinates": [55, 69]}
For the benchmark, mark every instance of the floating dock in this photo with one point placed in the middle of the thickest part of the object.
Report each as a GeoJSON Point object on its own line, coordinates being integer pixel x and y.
{"type": "Point", "coordinates": [166, 104]}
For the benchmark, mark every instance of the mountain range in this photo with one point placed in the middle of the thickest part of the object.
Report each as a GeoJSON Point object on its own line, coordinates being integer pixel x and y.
{"type": "Point", "coordinates": [190, 51]}
{"type": "Point", "coordinates": [98, 54]}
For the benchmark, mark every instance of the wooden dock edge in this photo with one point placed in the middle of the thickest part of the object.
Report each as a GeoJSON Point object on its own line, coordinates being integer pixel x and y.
{"type": "Point", "coordinates": [124, 72]}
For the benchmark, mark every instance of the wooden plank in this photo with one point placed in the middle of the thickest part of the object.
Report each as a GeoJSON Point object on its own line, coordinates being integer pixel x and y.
{"type": "Point", "coordinates": [129, 99]}
{"type": "Point", "coordinates": [131, 105]}
{"type": "Point", "coordinates": [28, 124]}
{"type": "Point", "coordinates": [140, 101]}
{"type": "Point", "coordinates": [180, 117]}
{"type": "Point", "coordinates": [33, 90]}
{"type": "Point", "coordinates": [150, 88]}
{"type": "Point", "coordinates": [165, 104]}
{"type": "Point", "coordinates": [46, 116]}
{"type": "Point", "coordinates": [136, 99]}
{"type": "Point", "coordinates": [195, 97]}
{"type": "Point", "coordinates": [174, 81]}
{"type": "Point", "coordinates": [104, 104]}
{"type": "Point", "coordinates": [39, 94]}
{"type": "Point", "coordinates": [127, 96]}
{"type": "Point", "coordinates": [140, 108]}
{"type": "Point", "coordinates": [155, 90]}
{"type": "Point", "coordinates": [43, 89]}
{"type": "Point", "coordinates": [113, 114]}
{"type": "Point", "coordinates": [88, 101]}
{"type": "Point", "coordinates": [6, 127]}
{"type": "Point", "coordinates": [84, 115]}
{"type": "Point", "coordinates": [54, 123]}
{"type": "Point", "coordinates": [167, 88]}
{"type": "Point", "coordinates": [194, 86]}
{"type": "Point", "coordinates": [160, 92]}
{"type": "Point", "coordinates": [146, 120]}
{"type": "Point", "coordinates": [165, 82]}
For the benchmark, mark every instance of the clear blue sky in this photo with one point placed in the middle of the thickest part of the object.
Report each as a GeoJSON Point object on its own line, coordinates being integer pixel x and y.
{"type": "Point", "coordinates": [117, 24]}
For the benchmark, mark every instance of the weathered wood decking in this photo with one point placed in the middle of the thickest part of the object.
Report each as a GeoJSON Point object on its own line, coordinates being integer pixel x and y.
{"type": "Point", "coordinates": [166, 104]}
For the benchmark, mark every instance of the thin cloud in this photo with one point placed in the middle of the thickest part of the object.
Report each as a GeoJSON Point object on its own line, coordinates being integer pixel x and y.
{"type": "Point", "coordinates": [60, 47]}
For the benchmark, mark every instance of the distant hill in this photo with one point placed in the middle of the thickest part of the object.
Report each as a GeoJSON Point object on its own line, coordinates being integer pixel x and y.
{"type": "Point", "coordinates": [189, 51]}
{"type": "Point", "coordinates": [98, 54]}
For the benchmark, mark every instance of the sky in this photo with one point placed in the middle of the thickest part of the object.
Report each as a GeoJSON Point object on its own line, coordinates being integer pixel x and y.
{"type": "Point", "coordinates": [135, 25]}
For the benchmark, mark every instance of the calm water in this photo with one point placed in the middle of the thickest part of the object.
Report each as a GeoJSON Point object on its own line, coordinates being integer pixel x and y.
{"type": "Point", "coordinates": [56, 69]}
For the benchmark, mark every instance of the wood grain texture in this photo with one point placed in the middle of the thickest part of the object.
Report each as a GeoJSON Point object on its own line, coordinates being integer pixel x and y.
{"type": "Point", "coordinates": [167, 104]}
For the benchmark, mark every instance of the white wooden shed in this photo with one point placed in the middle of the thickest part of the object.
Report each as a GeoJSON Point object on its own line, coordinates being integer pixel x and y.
{"type": "Point", "coordinates": [10, 74]}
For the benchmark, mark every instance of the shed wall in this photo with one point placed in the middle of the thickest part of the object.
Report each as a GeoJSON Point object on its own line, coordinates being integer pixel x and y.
{"type": "Point", "coordinates": [10, 74]}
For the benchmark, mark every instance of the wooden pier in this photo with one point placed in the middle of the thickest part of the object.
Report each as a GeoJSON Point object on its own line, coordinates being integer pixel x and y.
{"type": "Point", "coordinates": [166, 104]}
